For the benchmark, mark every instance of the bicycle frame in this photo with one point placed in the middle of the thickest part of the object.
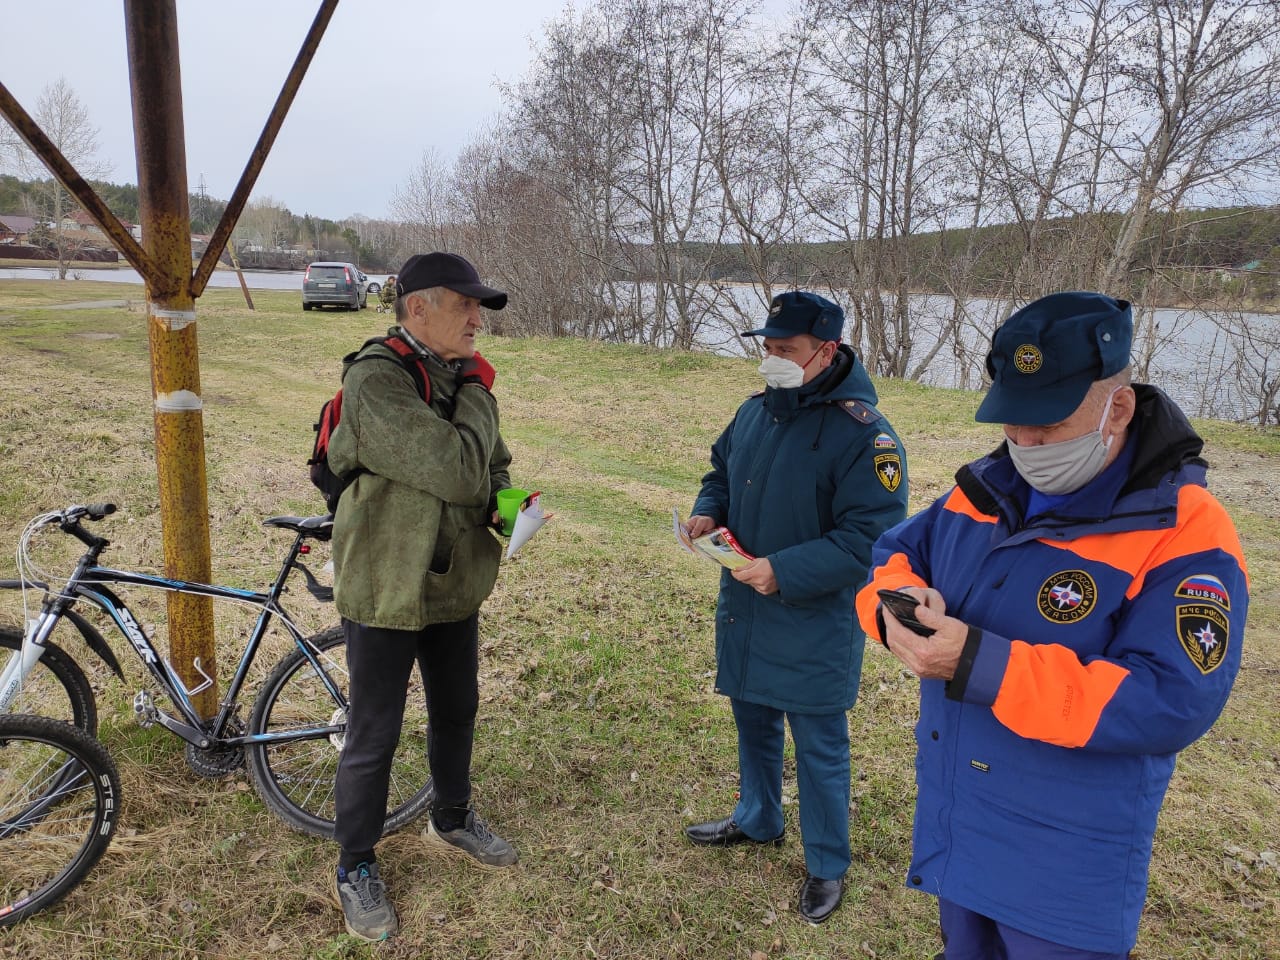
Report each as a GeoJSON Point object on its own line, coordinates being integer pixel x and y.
{"type": "Point", "coordinates": [90, 582]}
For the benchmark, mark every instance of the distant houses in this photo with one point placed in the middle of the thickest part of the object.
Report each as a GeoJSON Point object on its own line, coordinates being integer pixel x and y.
{"type": "Point", "coordinates": [15, 228]}
{"type": "Point", "coordinates": [28, 238]}
{"type": "Point", "coordinates": [80, 238]}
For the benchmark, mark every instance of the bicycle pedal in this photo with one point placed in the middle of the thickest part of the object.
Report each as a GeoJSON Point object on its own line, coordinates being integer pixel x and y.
{"type": "Point", "coordinates": [144, 710]}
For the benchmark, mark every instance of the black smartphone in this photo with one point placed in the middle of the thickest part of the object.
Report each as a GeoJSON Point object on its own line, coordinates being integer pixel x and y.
{"type": "Point", "coordinates": [903, 607]}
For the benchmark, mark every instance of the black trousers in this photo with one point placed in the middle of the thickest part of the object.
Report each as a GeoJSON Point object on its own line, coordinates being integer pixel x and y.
{"type": "Point", "coordinates": [381, 663]}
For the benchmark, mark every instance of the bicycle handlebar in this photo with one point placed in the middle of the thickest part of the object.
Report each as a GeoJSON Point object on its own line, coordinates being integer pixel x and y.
{"type": "Point", "coordinates": [89, 511]}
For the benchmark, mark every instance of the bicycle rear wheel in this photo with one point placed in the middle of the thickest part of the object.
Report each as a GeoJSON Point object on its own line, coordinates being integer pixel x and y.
{"type": "Point", "coordinates": [295, 779]}
{"type": "Point", "coordinates": [56, 687]}
{"type": "Point", "coordinates": [59, 798]}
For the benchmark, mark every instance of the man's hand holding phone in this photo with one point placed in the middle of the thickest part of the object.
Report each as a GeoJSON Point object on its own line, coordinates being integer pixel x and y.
{"type": "Point", "coordinates": [903, 607]}
{"type": "Point", "coordinates": [930, 652]}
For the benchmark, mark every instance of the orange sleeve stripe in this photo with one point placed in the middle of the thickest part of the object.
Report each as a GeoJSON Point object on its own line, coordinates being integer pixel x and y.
{"type": "Point", "coordinates": [894, 572]}
{"type": "Point", "coordinates": [1049, 695]}
{"type": "Point", "coordinates": [1203, 527]}
{"type": "Point", "coordinates": [957, 502]}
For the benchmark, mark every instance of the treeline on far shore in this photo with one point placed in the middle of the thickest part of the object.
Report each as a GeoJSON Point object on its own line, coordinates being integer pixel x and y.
{"type": "Point", "coordinates": [1219, 253]}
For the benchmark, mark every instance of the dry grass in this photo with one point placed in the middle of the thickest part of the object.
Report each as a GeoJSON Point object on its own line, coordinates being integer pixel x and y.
{"type": "Point", "coordinates": [599, 734]}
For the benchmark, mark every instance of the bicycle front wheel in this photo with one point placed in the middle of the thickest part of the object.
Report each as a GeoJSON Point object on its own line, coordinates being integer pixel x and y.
{"type": "Point", "coordinates": [295, 778]}
{"type": "Point", "coordinates": [59, 798]}
{"type": "Point", "coordinates": [56, 687]}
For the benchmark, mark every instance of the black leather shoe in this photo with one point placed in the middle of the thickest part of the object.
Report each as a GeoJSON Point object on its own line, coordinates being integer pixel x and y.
{"type": "Point", "coordinates": [723, 833]}
{"type": "Point", "coordinates": [819, 898]}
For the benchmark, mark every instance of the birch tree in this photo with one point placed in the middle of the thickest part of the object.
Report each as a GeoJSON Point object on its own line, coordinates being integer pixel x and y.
{"type": "Point", "coordinates": [65, 121]}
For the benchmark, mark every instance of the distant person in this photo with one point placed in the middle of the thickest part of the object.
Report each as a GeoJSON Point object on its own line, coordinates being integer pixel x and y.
{"type": "Point", "coordinates": [806, 476]}
{"type": "Point", "coordinates": [387, 293]}
{"type": "Point", "coordinates": [414, 559]}
{"type": "Point", "coordinates": [1088, 597]}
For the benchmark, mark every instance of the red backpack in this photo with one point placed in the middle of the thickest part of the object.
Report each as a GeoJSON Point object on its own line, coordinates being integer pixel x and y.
{"type": "Point", "coordinates": [332, 484]}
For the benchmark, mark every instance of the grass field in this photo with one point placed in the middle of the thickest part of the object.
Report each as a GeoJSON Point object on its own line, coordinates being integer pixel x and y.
{"type": "Point", "coordinates": [599, 735]}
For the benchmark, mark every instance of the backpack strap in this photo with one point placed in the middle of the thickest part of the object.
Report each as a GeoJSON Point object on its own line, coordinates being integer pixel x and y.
{"type": "Point", "coordinates": [405, 354]}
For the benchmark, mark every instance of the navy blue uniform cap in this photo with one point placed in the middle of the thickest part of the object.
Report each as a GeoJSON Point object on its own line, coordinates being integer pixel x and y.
{"type": "Point", "coordinates": [1044, 358]}
{"type": "Point", "coordinates": [797, 312]}
{"type": "Point", "coordinates": [448, 270]}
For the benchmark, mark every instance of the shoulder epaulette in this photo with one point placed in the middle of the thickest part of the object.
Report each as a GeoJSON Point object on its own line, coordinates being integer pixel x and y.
{"type": "Point", "coordinates": [862, 412]}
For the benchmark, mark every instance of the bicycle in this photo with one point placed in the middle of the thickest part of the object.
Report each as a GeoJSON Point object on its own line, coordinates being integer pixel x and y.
{"type": "Point", "coordinates": [59, 800]}
{"type": "Point", "coordinates": [295, 733]}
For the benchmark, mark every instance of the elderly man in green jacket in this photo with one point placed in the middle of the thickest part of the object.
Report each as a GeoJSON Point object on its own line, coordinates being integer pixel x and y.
{"type": "Point", "coordinates": [414, 558]}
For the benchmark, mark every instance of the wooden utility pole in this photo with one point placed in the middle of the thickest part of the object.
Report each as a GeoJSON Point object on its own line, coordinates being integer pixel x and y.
{"type": "Point", "coordinates": [235, 264]}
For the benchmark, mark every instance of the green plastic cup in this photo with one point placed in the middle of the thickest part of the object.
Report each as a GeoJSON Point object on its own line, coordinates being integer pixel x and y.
{"type": "Point", "coordinates": [509, 501]}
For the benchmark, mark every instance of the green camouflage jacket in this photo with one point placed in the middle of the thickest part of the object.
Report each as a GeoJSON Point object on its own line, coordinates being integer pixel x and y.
{"type": "Point", "coordinates": [411, 538]}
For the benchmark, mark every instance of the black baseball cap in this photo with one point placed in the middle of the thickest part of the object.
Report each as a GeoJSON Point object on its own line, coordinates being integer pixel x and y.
{"type": "Point", "coordinates": [448, 270]}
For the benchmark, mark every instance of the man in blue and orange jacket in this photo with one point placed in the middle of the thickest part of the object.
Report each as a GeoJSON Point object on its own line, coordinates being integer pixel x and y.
{"type": "Point", "coordinates": [1087, 597]}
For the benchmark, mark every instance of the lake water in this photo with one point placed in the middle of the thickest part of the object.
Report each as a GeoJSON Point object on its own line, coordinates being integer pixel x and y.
{"type": "Point", "coordinates": [254, 279]}
{"type": "Point", "coordinates": [1211, 363]}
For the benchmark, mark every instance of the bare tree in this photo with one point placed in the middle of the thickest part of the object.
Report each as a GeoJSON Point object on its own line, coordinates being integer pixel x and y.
{"type": "Point", "coordinates": [1058, 120]}
{"type": "Point", "coordinates": [65, 121]}
{"type": "Point", "coordinates": [10, 146]}
{"type": "Point", "coordinates": [265, 227]}
{"type": "Point", "coordinates": [758, 115]}
{"type": "Point", "coordinates": [669, 71]}
{"type": "Point", "coordinates": [569, 132]}
{"type": "Point", "coordinates": [882, 77]}
{"type": "Point", "coordinates": [420, 204]}
{"type": "Point", "coordinates": [1205, 77]}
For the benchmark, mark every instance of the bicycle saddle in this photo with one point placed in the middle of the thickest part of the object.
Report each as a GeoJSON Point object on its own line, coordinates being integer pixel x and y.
{"type": "Point", "coordinates": [320, 528]}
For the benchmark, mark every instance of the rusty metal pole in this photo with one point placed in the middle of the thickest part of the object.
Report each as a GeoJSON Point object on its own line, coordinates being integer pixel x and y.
{"type": "Point", "coordinates": [151, 31]}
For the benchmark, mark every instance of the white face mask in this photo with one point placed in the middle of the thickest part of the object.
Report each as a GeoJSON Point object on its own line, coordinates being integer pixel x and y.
{"type": "Point", "coordinates": [1066, 466]}
{"type": "Point", "coordinates": [783, 374]}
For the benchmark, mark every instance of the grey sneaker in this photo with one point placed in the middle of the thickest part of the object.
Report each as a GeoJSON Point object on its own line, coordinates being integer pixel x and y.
{"type": "Point", "coordinates": [368, 913]}
{"type": "Point", "coordinates": [476, 840]}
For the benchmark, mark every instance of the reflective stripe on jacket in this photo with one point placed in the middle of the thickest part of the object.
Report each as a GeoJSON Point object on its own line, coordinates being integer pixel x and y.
{"type": "Point", "coordinates": [1110, 635]}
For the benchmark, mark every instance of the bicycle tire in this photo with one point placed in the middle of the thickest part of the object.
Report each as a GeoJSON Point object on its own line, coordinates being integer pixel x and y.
{"type": "Point", "coordinates": [295, 779]}
{"type": "Point", "coordinates": [50, 840]}
{"type": "Point", "coordinates": [57, 686]}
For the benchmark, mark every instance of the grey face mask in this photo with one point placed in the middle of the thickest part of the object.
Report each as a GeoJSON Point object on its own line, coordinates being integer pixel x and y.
{"type": "Point", "coordinates": [1066, 466]}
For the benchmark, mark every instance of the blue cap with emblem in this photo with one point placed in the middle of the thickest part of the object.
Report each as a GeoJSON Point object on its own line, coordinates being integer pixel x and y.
{"type": "Point", "coordinates": [797, 312]}
{"type": "Point", "coordinates": [1044, 358]}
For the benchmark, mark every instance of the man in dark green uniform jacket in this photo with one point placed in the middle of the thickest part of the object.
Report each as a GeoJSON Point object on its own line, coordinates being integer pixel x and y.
{"type": "Point", "coordinates": [806, 477]}
{"type": "Point", "coordinates": [414, 559]}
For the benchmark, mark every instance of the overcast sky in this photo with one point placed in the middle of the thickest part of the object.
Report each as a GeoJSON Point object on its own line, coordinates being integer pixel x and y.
{"type": "Point", "coordinates": [391, 79]}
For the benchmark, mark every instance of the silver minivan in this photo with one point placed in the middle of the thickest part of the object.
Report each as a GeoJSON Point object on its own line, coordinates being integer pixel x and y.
{"type": "Point", "coordinates": [335, 284]}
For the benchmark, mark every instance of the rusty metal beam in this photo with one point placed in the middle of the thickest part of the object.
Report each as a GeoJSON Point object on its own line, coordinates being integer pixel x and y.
{"type": "Point", "coordinates": [235, 206]}
{"type": "Point", "coordinates": [155, 82]}
{"type": "Point", "coordinates": [76, 185]}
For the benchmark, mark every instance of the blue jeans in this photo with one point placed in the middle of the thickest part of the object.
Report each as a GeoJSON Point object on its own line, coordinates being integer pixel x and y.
{"type": "Point", "coordinates": [822, 773]}
{"type": "Point", "coordinates": [971, 936]}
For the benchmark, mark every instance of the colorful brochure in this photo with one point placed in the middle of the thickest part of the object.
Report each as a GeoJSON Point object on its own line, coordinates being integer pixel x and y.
{"type": "Point", "coordinates": [719, 544]}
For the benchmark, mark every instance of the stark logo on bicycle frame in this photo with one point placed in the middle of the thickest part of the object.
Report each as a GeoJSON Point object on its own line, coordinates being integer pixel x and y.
{"type": "Point", "coordinates": [134, 633]}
